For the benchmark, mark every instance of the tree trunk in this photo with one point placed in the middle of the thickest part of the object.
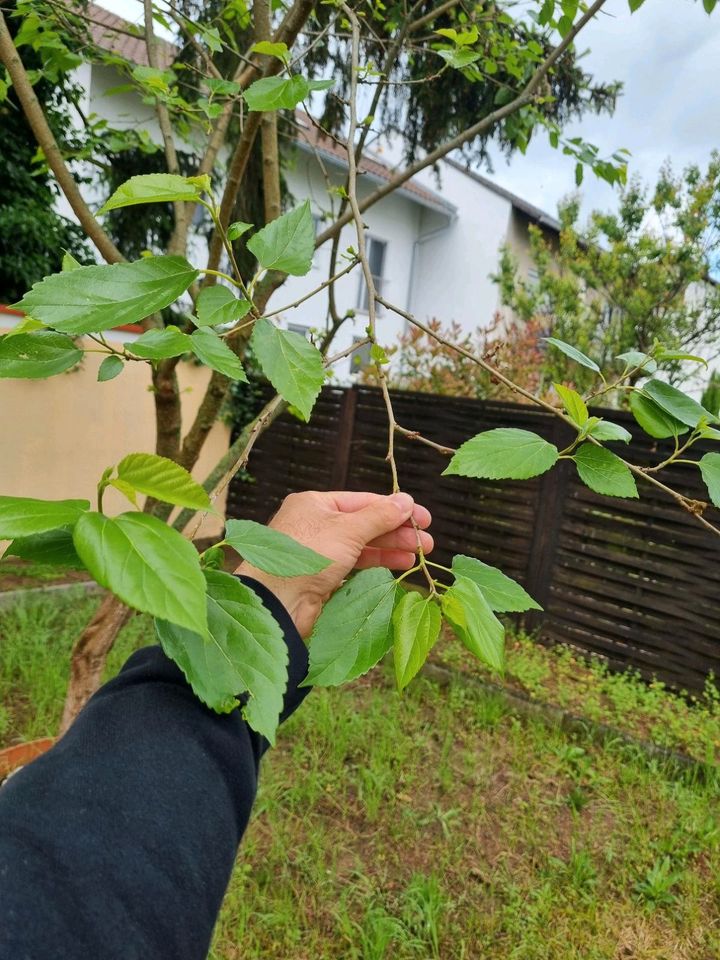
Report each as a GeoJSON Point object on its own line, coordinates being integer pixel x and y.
{"type": "Point", "coordinates": [89, 655]}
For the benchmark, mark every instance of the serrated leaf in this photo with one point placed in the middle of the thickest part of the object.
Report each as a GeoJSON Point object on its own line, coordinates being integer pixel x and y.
{"type": "Point", "coordinates": [54, 547]}
{"type": "Point", "coordinates": [208, 347]}
{"type": "Point", "coordinates": [287, 243]}
{"type": "Point", "coordinates": [502, 593]}
{"type": "Point", "coordinates": [237, 229]}
{"type": "Point", "coordinates": [162, 479]}
{"type": "Point", "coordinates": [676, 403]}
{"type": "Point", "coordinates": [505, 453]}
{"type": "Point", "coordinates": [710, 470]}
{"type": "Point", "coordinates": [126, 489]}
{"type": "Point", "coordinates": [273, 551]}
{"type": "Point", "coordinates": [353, 632]}
{"type": "Point", "coordinates": [35, 356]}
{"type": "Point", "coordinates": [276, 93]}
{"type": "Point", "coordinates": [91, 299]}
{"type": "Point", "coordinates": [653, 419]}
{"type": "Point", "coordinates": [110, 368]}
{"type": "Point", "coordinates": [604, 472]}
{"type": "Point", "coordinates": [473, 622]}
{"type": "Point", "coordinates": [573, 353]}
{"type": "Point", "coordinates": [160, 344]}
{"type": "Point", "coordinates": [416, 624]}
{"type": "Point", "coordinates": [145, 563]}
{"type": "Point", "coordinates": [244, 652]}
{"type": "Point", "coordinates": [633, 358]}
{"type": "Point", "coordinates": [153, 188]}
{"type": "Point", "coordinates": [25, 516]}
{"type": "Point", "coordinates": [26, 325]}
{"type": "Point", "coordinates": [606, 430]}
{"type": "Point", "coordinates": [292, 364]}
{"type": "Point", "coordinates": [217, 305]}
{"type": "Point", "coordinates": [575, 406]}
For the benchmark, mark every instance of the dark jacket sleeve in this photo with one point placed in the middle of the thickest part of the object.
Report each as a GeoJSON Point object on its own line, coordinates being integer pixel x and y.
{"type": "Point", "coordinates": [119, 842]}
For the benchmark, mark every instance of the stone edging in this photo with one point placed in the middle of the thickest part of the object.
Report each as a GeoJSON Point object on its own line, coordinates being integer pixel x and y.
{"type": "Point", "coordinates": [9, 597]}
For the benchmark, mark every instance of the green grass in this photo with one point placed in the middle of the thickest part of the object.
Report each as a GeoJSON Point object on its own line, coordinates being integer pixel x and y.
{"type": "Point", "coordinates": [439, 825]}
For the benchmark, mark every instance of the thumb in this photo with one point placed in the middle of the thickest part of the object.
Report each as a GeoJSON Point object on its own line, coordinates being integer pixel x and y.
{"type": "Point", "coordinates": [382, 516]}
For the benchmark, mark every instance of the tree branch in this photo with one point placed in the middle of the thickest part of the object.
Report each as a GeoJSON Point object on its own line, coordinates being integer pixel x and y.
{"type": "Point", "coordinates": [48, 144]}
{"type": "Point", "coordinates": [482, 126]}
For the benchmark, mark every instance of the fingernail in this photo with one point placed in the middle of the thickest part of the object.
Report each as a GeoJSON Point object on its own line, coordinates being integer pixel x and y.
{"type": "Point", "coordinates": [403, 501]}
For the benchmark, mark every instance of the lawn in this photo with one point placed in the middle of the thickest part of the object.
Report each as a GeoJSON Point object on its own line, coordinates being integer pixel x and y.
{"type": "Point", "coordinates": [440, 825]}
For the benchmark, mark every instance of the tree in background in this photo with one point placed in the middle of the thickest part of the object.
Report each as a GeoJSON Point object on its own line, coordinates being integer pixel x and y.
{"type": "Point", "coordinates": [33, 234]}
{"type": "Point", "coordinates": [628, 279]}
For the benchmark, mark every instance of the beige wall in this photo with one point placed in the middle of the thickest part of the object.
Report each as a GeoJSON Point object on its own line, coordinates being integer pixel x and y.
{"type": "Point", "coordinates": [58, 435]}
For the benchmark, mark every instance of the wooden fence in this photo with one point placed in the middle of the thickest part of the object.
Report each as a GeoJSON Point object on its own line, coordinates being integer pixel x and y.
{"type": "Point", "coordinates": [636, 581]}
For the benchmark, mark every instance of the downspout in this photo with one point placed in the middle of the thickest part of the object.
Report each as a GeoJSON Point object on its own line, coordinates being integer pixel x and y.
{"type": "Point", "coordinates": [423, 238]}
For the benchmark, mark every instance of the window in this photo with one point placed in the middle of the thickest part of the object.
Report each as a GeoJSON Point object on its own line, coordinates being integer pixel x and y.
{"type": "Point", "coordinates": [376, 260]}
{"type": "Point", "coordinates": [360, 358]}
{"type": "Point", "coordinates": [299, 328]}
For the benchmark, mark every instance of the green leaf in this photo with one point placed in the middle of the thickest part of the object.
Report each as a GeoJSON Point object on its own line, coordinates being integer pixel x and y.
{"type": "Point", "coordinates": [710, 470]}
{"type": "Point", "coordinates": [153, 188]}
{"type": "Point", "coordinates": [110, 368]}
{"type": "Point", "coordinates": [416, 624]}
{"type": "Point", "coordinates": [244, 652]}
{"type": "Point", "coordinates": [126, 489]}
{"type": "Point", "coordinates": [633, 359]}
{"type": "Point", "coordinates": [54, 547]}
{"type": "Point", "coordinates": [674, 355]}
{"type": "Point", "coordinates": [237, 229]}
{"type": "Point", "coordinates": [287, 243]}
{"type": "Point", "coordinates": [24, 516]}
{"type": "Point", "coordinates": [353, 632]}
{"type": "Point", "coordinates": [473, 622]}
{"type": "Point", "coordinates": [69, 262]}
{"type": "Point", "coordinates": [605, 430]}
{"type": "Point", "coordinates": [217, 305]}
{"type": "Point", "coordinates": [162, 479]}
{"type": "Point", "coordinates": [268, 49]}
{"type": "Point", "coordinates": [276, 93]}
{"type": "Point", "coordinates": [272, 551]}
{"type": "Point", "coordinates": [573, 353]}
{"type": "Point", "coordinates": [292, 364]}
{"type": "Point", "coordinates": [709, 433]}
{"type": "Point", "coordinates": [503, 454]}
{"type": "Point", "coordinates": [212, 350]}
{"type": "Point", "coordinates": [458, 57]}
{"type": "Point", "coordinates": [709, 5]}
{"type": "Point", "coordinates": [160, 344]}
{"type": "Point", "coordinates": [635, 5]}
{"type": "Point", "coordinates": [677, 403]}
{"type": "Point", "coordinates": [34, 356]}
{"type": "Point", "coordinates": [26, 325]}
{"type": "Point", "coordinates": [604, 472]}
{"type": "Point", "coordinates": [653, 419]}
{"type": "Point", "coordinates": [574, 404]}
{"type": "Point", "coordinates": [501, 592]}
{"type": "Point", "coordinates": [96, 298]}
{"type": "Point", "coordinates": [145, 563]}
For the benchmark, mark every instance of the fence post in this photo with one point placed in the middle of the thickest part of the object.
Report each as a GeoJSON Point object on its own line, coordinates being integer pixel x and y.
{"type": "Point", "coordinates": [346, 428]}
{"type": "Point", "coordinates": [546, 533]}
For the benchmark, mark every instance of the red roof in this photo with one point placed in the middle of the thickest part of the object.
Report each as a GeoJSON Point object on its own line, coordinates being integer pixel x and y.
{"type": "Point", "coordinates": [112, 33]}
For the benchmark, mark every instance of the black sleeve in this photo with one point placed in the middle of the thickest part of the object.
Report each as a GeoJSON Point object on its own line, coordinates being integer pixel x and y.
{"type": "Point", "coordinates": [119, 842]}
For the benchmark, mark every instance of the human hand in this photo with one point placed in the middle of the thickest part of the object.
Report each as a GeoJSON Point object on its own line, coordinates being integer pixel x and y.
{"type": "Point", "coordinates": [355, 530]}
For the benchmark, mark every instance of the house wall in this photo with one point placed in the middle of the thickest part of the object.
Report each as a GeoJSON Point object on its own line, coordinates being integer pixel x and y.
{"type": "Point", "coordinates": [451, 280]}
{"type": "Point", "coordinates": [58, 435]}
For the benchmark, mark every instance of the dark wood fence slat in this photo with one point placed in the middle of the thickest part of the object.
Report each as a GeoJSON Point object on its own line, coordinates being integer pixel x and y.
{"type": "Point", "coordinates": [634, 581]}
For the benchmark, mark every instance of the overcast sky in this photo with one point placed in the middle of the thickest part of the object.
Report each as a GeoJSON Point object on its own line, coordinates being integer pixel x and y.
{"type": "Point", "coordinates": [667, 55]}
